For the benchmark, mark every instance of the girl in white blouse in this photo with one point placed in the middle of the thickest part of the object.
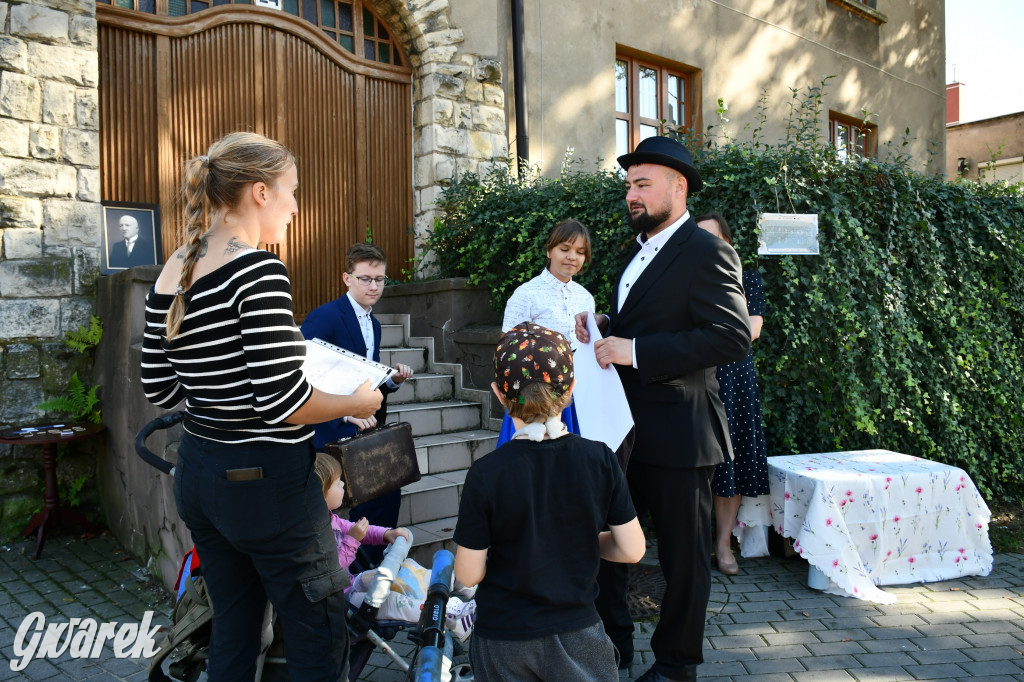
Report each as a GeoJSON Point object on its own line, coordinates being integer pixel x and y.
{"type": "Point", "coordinates": [552, 299]}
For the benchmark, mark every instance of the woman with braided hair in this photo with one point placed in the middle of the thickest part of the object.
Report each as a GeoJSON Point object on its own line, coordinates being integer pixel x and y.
{"type": "Point", "coordinates": [220, 334]}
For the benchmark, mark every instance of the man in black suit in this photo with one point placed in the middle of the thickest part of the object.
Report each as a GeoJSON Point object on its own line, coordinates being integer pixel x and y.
{"type": "Point", "coordinates": [680, 313]}
{"type": "Point", "coordinates": [134, 249]}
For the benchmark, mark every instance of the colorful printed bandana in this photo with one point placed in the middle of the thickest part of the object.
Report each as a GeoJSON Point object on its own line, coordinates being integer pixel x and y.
{"type": "Point", "coordinates": [531, 354]}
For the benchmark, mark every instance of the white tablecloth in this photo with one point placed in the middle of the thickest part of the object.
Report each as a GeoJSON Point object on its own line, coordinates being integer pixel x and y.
{"type": "Point", "coordinates": [875, 517]}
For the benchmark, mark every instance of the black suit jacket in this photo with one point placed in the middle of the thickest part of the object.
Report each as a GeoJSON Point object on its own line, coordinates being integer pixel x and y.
{"type": "Point", "coordinates": [142, 254]}
{"type": "Point", "coordinates": [688, 315]}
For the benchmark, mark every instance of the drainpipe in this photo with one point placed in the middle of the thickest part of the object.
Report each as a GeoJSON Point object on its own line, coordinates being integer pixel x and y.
{"type": "Point", "coordinates": [519, 87]}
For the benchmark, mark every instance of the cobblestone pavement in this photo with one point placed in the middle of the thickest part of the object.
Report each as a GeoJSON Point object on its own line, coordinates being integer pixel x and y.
{"type": "Point", "coordinates": [764, 623]}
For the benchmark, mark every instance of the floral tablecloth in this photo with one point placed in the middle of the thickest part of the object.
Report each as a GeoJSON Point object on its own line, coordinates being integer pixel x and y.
{"type": "Point", "coordinates": [874, 517]}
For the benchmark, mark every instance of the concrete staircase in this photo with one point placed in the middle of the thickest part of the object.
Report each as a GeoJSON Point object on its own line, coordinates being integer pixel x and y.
{"type": "Point", "coordinates": [450, 427]}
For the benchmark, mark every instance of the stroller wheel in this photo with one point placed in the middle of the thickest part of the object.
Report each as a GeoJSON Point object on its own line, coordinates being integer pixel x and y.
{"type": "Point", "coordinates": [461, 670]}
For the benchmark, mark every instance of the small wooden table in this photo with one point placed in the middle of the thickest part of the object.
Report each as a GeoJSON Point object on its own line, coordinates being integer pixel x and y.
{"type": "Point", "coordinates": [49, 436]}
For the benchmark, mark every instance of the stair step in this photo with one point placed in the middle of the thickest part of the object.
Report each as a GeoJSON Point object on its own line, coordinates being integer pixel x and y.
{"type": "Point", "coordinates": [440, 416]}
{"type": "Point", "coordinates": [392, 335]}
{"type": "Point", "coordinates": [443, 452]}
{"type": "Point", "coordinates": [435, 496]}
{"type": "Point", "coordinates": [430, 536]}
{"type": "Point", "coordinates": [414, 357]}
{"type": "Point", "coordinates": [424, 387]}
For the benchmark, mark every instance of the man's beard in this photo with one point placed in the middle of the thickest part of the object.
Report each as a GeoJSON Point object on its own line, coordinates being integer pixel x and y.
{"type": "Point", "coordinates": [643, 223]}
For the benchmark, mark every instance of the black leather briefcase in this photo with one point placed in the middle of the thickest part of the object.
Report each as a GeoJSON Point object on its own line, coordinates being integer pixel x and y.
{"type": "Point", "coordinates": [375, 462]}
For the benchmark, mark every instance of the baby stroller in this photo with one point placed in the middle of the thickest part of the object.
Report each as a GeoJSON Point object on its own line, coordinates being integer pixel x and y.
{"type": "Point", "coordinates": [438, 657]}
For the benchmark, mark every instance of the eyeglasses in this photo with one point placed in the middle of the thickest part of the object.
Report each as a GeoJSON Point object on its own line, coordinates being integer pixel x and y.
{"type": "Point", "coordinates": [365, 281]}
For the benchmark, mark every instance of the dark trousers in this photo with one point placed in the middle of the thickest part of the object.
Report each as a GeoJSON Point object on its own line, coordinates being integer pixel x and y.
{"type": "Point", "coordinates": [584, 654]}
{"type": "Point", "coordinates": [679, 501]}
{"type": "Point", "coordinates": [263, 539]}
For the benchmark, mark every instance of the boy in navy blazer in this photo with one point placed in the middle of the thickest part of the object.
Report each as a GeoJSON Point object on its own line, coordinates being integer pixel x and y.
{"type": "Point", "coordinates": [348, 323]}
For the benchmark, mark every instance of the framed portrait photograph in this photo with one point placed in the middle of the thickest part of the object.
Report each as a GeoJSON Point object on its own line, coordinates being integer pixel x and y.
{"type": "Point", "coordinates": [131, 236]}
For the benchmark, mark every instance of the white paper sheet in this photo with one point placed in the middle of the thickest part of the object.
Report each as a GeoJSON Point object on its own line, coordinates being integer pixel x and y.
{"type": "Point", "coordinates": [336, 370]}
{"type": "Point", "coordinates": [601, 405]}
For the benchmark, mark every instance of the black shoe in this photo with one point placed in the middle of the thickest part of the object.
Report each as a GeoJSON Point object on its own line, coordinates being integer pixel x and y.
{"type": "Point", "coordinates": [652, 675]}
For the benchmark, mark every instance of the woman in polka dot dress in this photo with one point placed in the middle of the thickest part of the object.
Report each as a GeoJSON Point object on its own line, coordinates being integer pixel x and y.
{"type": "Point", "coordinates": [747, 473]}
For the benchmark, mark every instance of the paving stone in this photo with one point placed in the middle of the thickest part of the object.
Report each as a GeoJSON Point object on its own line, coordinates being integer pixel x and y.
{"type": "Point", "coordinates": [839, 635]}
{"type": "Point", "coordinates": [752, 617]}
{"type": "Point", "coordinates": [828, 663]}
{"type": "Point", "coordinates": [993, 639]}
{"type": "Point", "coordinates": [889, 659]}
{"type": "Point", "coordinates": [877, 646]}
{"type": "Point", "coordinates": [799, 625]}
{"type": "Point", "coordinates": [739, 642]}
{"type": "Point", "coordinates": [898, 621]}
{"type": "Point", "coordinates": [774, 665]}
{"type": "Point", "coordinates": [938, 671]}
{"type": "Point", "coordinates": [835, 648]}
{"type": "Point", "coordinates": [824, 675]}
{"type": "Point", "coordinates": [850, 623]}
{"type": "Point", "coordinates": [787, 638]}
{"type": "Point", "coordinates": [930, 643]}
{"type": "Point", "coordinates": [763, 606]}
{"type": "Point", "coordinates": [996, 667]}
{"type": "Point", "coordinates": [881, 674]}
{"type": "Point", "coordinates": [931, 656]}
{"type": "Point", "coordinates": [994, 653]}
{"type": "Point", "coordinates": [986, 626]}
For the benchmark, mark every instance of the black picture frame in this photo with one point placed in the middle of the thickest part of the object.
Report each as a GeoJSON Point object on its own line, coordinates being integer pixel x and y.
{"type": "Point", "coordinates": [146, 250]}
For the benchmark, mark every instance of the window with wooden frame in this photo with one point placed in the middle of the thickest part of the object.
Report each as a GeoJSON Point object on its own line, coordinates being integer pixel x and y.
{"type": "Point", "coordinates": [651, 96]}
{"type": "Point", "coordinates": [852, 136]}
{"type": "Point", "coordinates": [350, 23]}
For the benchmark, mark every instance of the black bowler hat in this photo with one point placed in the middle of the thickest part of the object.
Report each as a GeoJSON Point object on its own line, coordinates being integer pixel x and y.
{"type": "Point", "coordinates": [665, 151]}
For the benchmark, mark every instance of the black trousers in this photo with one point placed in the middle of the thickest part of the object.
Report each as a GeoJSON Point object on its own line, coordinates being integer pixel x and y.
{"type": "Point", "coordinates": [263, 539]}
{"type": "Point", "coordinates": [679, 502]}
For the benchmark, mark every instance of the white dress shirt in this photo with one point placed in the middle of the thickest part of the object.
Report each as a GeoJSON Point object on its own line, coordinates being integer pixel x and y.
{"type": "Point", "coordinates": [366, 327]}
{"type": "Point", "coordinates": [549, 302]}
{"type": "Point", "coordinates": [648, 250]}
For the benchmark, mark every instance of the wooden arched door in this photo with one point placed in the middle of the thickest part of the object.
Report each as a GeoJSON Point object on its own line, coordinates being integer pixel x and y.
{"type": "Point", "coordinates": [171, 85]}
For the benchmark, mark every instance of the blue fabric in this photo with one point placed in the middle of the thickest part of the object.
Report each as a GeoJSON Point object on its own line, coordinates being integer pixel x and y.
{"type": "Point", "coordinates": [568, 416]}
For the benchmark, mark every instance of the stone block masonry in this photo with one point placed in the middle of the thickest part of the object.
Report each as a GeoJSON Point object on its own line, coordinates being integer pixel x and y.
{"type": "Point", "coordinates": [459, 109]}
{"type": "Point", "coordinates": [50, 218]}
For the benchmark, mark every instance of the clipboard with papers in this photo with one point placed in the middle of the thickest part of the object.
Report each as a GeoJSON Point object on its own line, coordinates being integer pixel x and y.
{"type": "Point", "coordinates": [332, 369]}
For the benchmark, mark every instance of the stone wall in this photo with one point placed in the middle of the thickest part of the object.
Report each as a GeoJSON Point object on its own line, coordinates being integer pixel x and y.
{"type": "Point", "coordinates": [459, 121]}
{"type": "Point", "coordinates": [137, 499]}
{"type": "Point", "coordinates": [49, 219]}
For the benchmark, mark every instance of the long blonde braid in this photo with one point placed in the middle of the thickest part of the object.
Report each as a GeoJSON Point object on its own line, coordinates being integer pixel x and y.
{"type": "Point", "coordinates": [197, 174]}
{"type": "Point", "coordinates": [214, 181]}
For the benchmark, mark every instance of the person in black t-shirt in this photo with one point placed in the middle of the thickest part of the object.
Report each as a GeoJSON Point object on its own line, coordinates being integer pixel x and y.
{"type": "Point", "coordinates": [531, 526]}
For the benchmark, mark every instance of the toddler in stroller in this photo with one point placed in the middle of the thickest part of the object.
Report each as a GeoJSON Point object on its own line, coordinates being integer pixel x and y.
{"type": "Point", "coordinates": [437, 656]}
{"type": "Point", "coordinates": [408, 591]}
